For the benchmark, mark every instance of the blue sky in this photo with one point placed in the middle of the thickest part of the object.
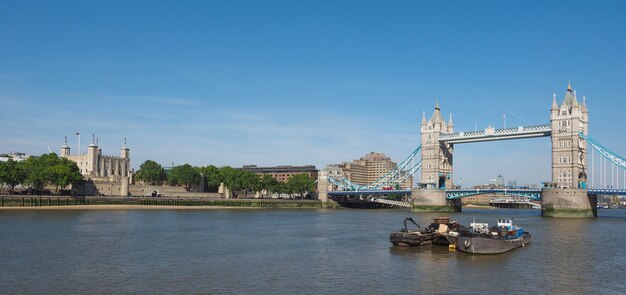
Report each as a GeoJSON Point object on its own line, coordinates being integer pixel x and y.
{"type": "Point", "coordinates": [305, 82]}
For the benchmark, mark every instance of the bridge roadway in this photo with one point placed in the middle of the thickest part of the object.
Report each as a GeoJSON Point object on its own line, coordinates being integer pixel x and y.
{"type": "Point", "coordinates": [466, 192]}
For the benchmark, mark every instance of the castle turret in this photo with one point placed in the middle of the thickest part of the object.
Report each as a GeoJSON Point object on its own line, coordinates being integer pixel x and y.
{"type": "Point", "coordinates": [125, 165]}
{"type": "Point", "coordinates": [125, 150]}
{"type": "Point", "coordinates": [65, 149]}
{"type": "Point", "coordinates": [92, 158]}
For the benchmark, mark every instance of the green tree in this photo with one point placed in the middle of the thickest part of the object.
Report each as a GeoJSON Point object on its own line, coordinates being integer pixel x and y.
{"type": "Point", "coordinates": [212, 177]}
{"type": "Point", "coordinates": [230, 178]}
{"type": "Point", "coordinates": [301, 184]}
{"type": "Point", "coordinates": [250, 182]}
{"type": "Point", "coordinates": [64, 173]}
{"type": "Point", "coordinates": [151, 173]}
{"type": "Point", "coordinates": [185, 176]}
{"type": "Point", "coordinates": [49, 169]}
{"type": "Point", "coordinates": [11, 174]}
{"type": "Point", "coordinates": [38, 176]}
{"type": "Point", "coordinates": [239, 180]}
{"type": "Point", "coordinates": [270, 184]}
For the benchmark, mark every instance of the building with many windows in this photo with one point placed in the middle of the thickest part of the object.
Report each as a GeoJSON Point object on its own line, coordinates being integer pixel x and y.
{"type": "Point", "coordinates": [282, 173]}
{"type": "Point", "coordinates": [366, 169]}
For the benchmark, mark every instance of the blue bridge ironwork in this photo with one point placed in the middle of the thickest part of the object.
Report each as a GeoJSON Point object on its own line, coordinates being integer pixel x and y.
{"type": "Point", "coordinates": [533, 194]}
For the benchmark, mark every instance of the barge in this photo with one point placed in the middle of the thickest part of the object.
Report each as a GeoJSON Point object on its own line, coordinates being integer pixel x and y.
{"type": "Point", "coordinates": [482, 239]}
{"type": "Point", "coordinates": [441, 232]}
{"type": "Point", "coordinates": [411, 237]}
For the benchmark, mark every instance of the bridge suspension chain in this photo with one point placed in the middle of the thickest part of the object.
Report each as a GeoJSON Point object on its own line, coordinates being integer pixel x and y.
{"type": "Point", "coordinates": [393, 173]}
{"type": "Point", "coordinates": [611, 156]}
{"type": "Point", "coordinates": [616, 160]}
{"type": "Point", "coordinates": [394, 176]}
{"type": "Point", "coordinates": [404, 175]}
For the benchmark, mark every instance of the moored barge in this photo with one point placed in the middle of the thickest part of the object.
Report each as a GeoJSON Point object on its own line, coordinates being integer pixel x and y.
{"type": "Point", "coordinates": [440, 232]}
{"type": "Point", "coordinates": [482, 239]}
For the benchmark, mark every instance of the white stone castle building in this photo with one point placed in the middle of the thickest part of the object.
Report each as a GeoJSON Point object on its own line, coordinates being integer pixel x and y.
{"type": "Point", "coordinates": [100, 168]}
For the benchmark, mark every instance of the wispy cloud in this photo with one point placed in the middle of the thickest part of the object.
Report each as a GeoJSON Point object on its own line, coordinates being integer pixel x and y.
{"type": "Point", "coordinates": [202, 136]}
{"type": "Point", "coordinates": [495, 102]}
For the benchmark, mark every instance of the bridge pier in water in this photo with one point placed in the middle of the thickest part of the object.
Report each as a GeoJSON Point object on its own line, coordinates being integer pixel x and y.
{"type": "Point", "coordinates": [433, 200]}
{"type": "Point", "coordinates": [568, 203]}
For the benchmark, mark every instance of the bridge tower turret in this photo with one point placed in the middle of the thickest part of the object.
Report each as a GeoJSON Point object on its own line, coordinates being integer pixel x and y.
{"type": "Point", "coordinates": [436, 156]}
{"type": "Point", "coordinates": [567, 196]}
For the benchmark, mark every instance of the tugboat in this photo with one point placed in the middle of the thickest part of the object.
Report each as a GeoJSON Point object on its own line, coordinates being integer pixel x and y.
{"type": "Point", "coordinates": [409, 237]}
{"type": "Point", "coordinates": [482, 239]}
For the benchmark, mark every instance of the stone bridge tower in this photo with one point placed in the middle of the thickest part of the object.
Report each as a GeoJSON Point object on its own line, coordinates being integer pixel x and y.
{"type": "Point", "coordinates": [436, 167]}
{"type": "Point", "coordinates": [436, 156]}
{"type": "Point", "coordinates": [569, 151]}
{"type": "Point", "coordinates": [567, 194]}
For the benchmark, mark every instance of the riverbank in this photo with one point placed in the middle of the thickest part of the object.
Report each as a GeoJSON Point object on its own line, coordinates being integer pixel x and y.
{"type": "Point", "coordinates": [128, 207]}
{"type": "Point", "coordinates": [70, 202]}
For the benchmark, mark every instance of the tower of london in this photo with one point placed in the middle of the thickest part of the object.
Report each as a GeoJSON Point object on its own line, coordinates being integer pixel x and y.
{"type": "Point", "coordinates": [96, 167]}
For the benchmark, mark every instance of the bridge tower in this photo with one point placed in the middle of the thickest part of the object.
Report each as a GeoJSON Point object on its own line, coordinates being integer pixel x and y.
{"type": "Point", "coordinates": [436, 165]}
{"type": "Point", "coordinates": [567, 196]}
{"type": "Point", "coordinates": [436, 155]}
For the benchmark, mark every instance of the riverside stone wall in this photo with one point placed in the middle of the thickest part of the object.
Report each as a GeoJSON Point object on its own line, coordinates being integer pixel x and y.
{"type": "Point", "coordinates": [60, 201]}
{"type": "Point", "coordinates": [109, 188]}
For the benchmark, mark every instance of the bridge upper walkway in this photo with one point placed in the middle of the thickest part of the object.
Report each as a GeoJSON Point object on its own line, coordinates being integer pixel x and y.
{"type": "Point", "coordinates": [490, 134]}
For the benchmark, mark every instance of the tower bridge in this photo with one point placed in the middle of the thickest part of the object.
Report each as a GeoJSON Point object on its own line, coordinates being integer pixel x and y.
{"type": "Point", "coordinates": [567, 195]}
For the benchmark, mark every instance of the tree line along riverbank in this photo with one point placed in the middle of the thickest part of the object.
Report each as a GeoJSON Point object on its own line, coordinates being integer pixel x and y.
{"type": "Point", "coordinates": [59, 201]}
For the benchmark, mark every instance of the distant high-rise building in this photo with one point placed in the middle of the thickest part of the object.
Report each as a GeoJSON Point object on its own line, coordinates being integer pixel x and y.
{"type": "Point", "coordinates": [500, 181]}
{"type": "Point", "coordinates": [513, 183]}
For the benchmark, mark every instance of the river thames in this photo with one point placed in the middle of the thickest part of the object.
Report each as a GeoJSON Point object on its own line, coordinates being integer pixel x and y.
{"type": "Point", "coordinates": [316, 251]}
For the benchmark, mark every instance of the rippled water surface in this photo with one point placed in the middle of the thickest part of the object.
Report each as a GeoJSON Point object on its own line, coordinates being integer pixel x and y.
{"type": "Point", "coordinates": [340, 251]}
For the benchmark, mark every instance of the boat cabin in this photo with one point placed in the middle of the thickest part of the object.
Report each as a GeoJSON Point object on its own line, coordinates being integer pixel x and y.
{"type": "Point", "coordinates": [479, 227]}
{"type": "Point", "coordinates": [505, 223]}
